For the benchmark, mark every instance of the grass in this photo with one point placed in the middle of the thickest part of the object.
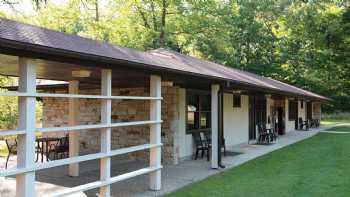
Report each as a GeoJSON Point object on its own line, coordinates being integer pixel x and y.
{"type": "Point", "coordinates": [318, 166]}
{"type": "Point", "coordinates": [335, 118]}
{"type": "Point", "coordinates": [345, 128]}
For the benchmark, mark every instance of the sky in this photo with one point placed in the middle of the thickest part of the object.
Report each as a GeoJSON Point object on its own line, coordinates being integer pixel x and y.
{"type": "Point", "coordinates": [26, 8]}
{"type": "Point", "coordinates": [23, 7]}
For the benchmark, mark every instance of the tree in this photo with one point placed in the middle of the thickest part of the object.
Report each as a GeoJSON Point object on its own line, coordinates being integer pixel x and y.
{"type": "Point", "coordinates": [303, 43]}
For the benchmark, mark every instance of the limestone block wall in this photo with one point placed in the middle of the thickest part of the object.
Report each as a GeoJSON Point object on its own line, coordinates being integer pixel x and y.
{"type": "Point", "coordinates": [290, 125]}
{"type": "Point", "coordinates": [302, 110]}
{"type": "Point", "coordinates": [316, 110]}
{"type": "Point", "coordinates": [55, 114]}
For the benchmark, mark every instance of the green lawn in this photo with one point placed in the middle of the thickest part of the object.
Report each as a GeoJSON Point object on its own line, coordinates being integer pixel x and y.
{"type": "Point", "coordinates": [345, 128]}
{"type": "Point", "coordinates": [318, 166]}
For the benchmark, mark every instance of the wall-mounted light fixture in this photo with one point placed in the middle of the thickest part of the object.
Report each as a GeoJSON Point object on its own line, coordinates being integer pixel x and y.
{"type": "Point", "coordinates": [81, 73]}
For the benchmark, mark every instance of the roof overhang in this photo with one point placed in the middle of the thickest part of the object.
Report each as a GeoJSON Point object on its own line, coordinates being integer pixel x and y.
{"type": "Point", "coordinates": [37, 51]}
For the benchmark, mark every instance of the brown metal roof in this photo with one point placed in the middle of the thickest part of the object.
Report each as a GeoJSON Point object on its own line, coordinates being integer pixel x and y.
{"type": "Point", "coordinates": [32, 36]}
{"type": "Point", "coordinates": [221, 71]}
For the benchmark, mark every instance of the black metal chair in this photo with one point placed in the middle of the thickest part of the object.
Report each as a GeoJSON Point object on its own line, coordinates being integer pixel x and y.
{"type": "Point", "coordinates": [263, 136]}
{"type": "Point", "coordinates": [273, 135]}
{"type": "Point", "coordinates": [59, 150]}
{"type": "Point", "coordinates": [317, 123]}
{"type": "Point", "coordinates": [207, 135]}
{"type": "Point", "coordinates": [312, 123]}
{"type": "Point", "coordinates": [200, 144]}
{"type": "Point", "coordinates": [38, 150]}
{"type": "Point", "coordinates": [11, 144]}
{"type": "Point", "coordinates": [303, 124]}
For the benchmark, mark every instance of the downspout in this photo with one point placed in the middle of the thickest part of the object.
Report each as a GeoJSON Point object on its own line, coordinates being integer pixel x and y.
{"type": "Point", "coordinates": [220, 125]}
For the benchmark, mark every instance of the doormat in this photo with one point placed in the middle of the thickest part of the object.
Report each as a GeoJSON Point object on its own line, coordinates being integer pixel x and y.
{"type": "Point", "coordinates": [232, 153]}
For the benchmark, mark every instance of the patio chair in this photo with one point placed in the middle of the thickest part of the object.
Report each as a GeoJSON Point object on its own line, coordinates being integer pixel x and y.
{"type": "Point", "coordinates": [59, 150]}
{"type": "Point", "coordinates": [273, 135]}
{"type": "Point", "coordinates": [200, 145]}
{"type": "Point", "coordinates": [262, 135]}
{"type": "Point", "coordinates": [303, 124]}
{"type": "Point", "coordinates": [265, 136]}
{"type": "Point", "coordinates": [11, 144]}
{"type": "Point", "coordinates": [317, 123]}
{"type": "Point", "coordinates": [207, 135]}
{"type": "Point", "coordinates": [312, 123]}
{"type": "Point", "coordinates": [38, 151]}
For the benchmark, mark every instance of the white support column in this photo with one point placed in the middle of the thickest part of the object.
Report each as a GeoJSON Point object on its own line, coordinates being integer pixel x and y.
{"type": "Point", "coordinates": [320, 112]}
{"type": "Point", "coordinates": [26, 143]}
{"type": "Point", "coordinates": [155, 132]}
{"type": "Point", "coordinates": [214, 125]}
{"type": "Point", "coordinates": [106, 110]}
{"type": "Point", "coordinates": [73, 116]}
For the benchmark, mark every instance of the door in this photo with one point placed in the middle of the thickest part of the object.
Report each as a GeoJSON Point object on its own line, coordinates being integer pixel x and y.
{"type": "Point", "coordinates": [252, 131]}
{"type": "Point", "coordinates": [308, 110]}
{"type": "Point", "coordinates": [257, 113]}
{"type": "Point", "coordinates": [280, 120]}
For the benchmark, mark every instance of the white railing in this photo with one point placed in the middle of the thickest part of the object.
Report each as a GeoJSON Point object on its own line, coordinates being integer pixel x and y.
{"type": "Point", "coordinates": [99, 184]}
{"type": "Point", "coordinates": [78, 159]}
{"type": "Point", "coordinates": [80, 127]}
{"type": "Point", "coordinates": [26, 167]}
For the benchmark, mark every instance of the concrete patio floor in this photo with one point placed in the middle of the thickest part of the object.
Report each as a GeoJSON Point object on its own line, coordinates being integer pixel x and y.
{"type": "Point", "coordinates": [173, 177]}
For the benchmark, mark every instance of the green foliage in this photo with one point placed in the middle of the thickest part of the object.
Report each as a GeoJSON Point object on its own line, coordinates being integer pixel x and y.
{"type": "Point", "coordinates": [303, 43]}
{"type": "Point", "coordinates": [3, 149]}
{"type": "Point", "coordinates": [335, 118]}
{"type": "Point", "coordinates": [344, 116]}
{"type": "Point", "coordinates": [8, 107]}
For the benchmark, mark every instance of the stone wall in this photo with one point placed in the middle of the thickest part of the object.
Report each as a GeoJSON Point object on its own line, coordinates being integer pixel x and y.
{"type": "Point", "coordinates": [55, 114]}
{"type": "Point", "coordinates": [316, 110]}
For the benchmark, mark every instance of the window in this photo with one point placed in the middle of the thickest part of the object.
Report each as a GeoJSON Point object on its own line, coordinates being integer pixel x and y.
{"type": "Point", "coordinates": [236, 100]}
{"type": "Point", "coordinates": [198, 110]}
{"type": "Point", "coordinates": [301, 104]}
{"type": "Point", "coordinates": [293, 110]}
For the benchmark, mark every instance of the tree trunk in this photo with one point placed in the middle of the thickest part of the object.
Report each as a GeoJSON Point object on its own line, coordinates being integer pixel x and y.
{"type": "Point", "coordinates": [163, 22]}
{"type": "Point", "coordinates": [97, 15]}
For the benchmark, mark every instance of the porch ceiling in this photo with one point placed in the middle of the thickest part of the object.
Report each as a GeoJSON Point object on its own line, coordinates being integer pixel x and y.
{"type": "Point", "coordinates": [53, 70]}
{"type": "Point", "coordinates": [122, 77]}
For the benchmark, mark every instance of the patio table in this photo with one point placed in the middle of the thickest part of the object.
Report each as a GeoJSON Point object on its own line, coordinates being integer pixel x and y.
{"type": "Point", "coordinates": [40, 146]}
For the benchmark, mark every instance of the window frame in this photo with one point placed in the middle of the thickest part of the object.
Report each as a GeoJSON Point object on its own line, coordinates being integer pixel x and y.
{"type": "Point", "coordinates": [200, 94]}
{"type": "Point", "coordinates": [292, 114]}
{"type": "Point", "coordinates": [234, 104]}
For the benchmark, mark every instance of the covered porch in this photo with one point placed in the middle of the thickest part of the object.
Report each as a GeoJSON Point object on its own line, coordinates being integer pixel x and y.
{"type": "Point", "coordinates": [76, 119]}
{"type": "Point", "coordinates": [173, 176]}
{"type": "Point", "coordinates": [112, 116]}
{"type": "Point", "coordinates": [115, 121]}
